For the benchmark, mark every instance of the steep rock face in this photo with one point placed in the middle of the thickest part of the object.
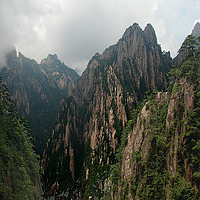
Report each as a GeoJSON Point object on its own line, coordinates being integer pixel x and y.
{"type": "Point", "coordinates": [123, 73]}
{"type": "Point", "coordinates": [196, 30]}
{"type": "Point", "coordinates": [106, 92]}
{"type": "Point", "coordinates": [61, 152]}
{"type": "Point", "coordinates": [38, 91]}
{"type": "Point", "coordinates": [158, 129]}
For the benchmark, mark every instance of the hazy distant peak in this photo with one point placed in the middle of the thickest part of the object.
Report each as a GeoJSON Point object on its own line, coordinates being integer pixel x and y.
{"type": "Point", "coordinates": [12, 53]}
{"type": "Point", "coordinates": [50, 58]}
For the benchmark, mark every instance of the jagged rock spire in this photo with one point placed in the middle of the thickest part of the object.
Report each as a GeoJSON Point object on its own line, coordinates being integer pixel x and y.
{"type": "Point", "coordinates": [196, 30]}
{"type": "Point", "coordinates": [150, 35]}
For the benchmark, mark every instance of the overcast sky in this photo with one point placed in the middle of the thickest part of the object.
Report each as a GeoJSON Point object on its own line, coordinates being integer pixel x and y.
{"type": "Point", "coordinates": [76, 29]}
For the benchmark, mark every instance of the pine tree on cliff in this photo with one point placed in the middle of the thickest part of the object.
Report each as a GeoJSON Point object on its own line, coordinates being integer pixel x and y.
{"type": "Point", "coordinates": [188, 46]}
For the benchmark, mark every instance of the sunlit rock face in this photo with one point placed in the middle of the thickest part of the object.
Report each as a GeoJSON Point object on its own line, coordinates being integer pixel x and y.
{"type": "Point", "coordinates": [90, 123]}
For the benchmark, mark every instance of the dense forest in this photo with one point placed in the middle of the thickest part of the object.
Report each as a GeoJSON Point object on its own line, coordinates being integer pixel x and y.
{"type": "Point", "coordinates": [19, 171]}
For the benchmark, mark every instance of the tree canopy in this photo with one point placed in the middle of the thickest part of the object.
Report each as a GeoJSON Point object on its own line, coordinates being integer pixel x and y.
{"type": "Point", "coordinates": [19, 168]}
{"type": "Point", "coordinates": [189, 46]}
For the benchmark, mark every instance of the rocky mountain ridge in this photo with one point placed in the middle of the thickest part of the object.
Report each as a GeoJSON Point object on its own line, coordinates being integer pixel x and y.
{"type": "Point", "coordinates": [89, 125]}
{"type": "Point", "coordinates": [38, 90]}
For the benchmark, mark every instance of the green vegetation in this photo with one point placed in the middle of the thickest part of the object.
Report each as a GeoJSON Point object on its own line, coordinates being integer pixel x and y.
{"type": "Point", "coordinates": [150, 181]}
{"type": "Point", "coordinates": [19, 168]}
{"type": "Point", "coordinates": [181, 189]}
{"type": "Point", "coordinates": [154, 176]}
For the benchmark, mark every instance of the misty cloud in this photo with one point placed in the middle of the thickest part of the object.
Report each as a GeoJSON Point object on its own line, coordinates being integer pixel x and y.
{"type": "Point", "coordinates": [75, 30]}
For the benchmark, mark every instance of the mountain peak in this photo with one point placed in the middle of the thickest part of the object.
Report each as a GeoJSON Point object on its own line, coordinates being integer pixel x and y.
{"type": "Point", "coordinates": [180, 57]}
{"type": "Point", "coordinates": [20, 55]}
{"type": "Point", "coordinates": [130, 30]}
{"type": "Point", "coordinates": [50, 56]}
{"type": "Point", "coordinates": [150, 34]}
{"type": "Point", "coordinates": [12, 53]}
{"type": "Point", "coordinates": [50, 59]}
{"type": "Point", "coordinates": [196, 30]}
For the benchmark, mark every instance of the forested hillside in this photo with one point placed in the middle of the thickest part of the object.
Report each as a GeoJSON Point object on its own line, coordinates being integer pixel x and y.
{"type": "Point", "coordinates": [19, 167]}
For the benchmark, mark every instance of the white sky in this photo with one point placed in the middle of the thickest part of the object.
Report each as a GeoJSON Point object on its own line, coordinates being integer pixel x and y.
{"type": "Point", "coordinates": [75, 29]}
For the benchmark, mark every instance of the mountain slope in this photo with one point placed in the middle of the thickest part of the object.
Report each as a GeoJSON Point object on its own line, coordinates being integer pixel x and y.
{"type": "Point", "coordinates": [159, 156]}
{"type": "Point", "coordinates": [88, 128]}
{"type": "Point", "coordinates": [38, 90]}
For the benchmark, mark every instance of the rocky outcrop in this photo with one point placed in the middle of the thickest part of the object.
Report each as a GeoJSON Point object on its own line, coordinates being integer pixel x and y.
{"type": "Point", "coordinates": [158, 158]}
{"type": "Point", "coordinates": [196, 30]}
{"type": "Point", "coordinates": [38, 90]}
{"type": "Point", "coordinates": [108, 89]}
{"type": "Point", "coordinates": [64, 77]}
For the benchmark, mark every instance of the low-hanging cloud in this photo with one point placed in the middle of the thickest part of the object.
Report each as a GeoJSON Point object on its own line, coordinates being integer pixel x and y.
{"type": "Point", "coordinates": [76, 30]}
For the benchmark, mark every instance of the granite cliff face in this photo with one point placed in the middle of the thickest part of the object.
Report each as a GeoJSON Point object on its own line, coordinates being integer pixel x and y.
{"type": "Point", "coordinates": [196, 30]}
{"type": "Point", "coordinates": [153, 146]}
{"type": "Point", "coordinates": [38, 90]}
{"type": "Point", "coordinates": [89, 125]}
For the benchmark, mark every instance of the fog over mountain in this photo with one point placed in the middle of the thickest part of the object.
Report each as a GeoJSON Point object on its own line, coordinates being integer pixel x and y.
{"type": "Point", "coordinates": [76, 29]}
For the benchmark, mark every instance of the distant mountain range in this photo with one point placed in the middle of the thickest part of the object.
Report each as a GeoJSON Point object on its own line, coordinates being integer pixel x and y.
{"type": "Point", "coordinates": [38, 90]}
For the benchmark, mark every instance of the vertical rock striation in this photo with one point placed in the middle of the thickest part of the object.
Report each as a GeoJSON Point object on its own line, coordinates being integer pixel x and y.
{"type": "Point", "coordinates": [92, 120]}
